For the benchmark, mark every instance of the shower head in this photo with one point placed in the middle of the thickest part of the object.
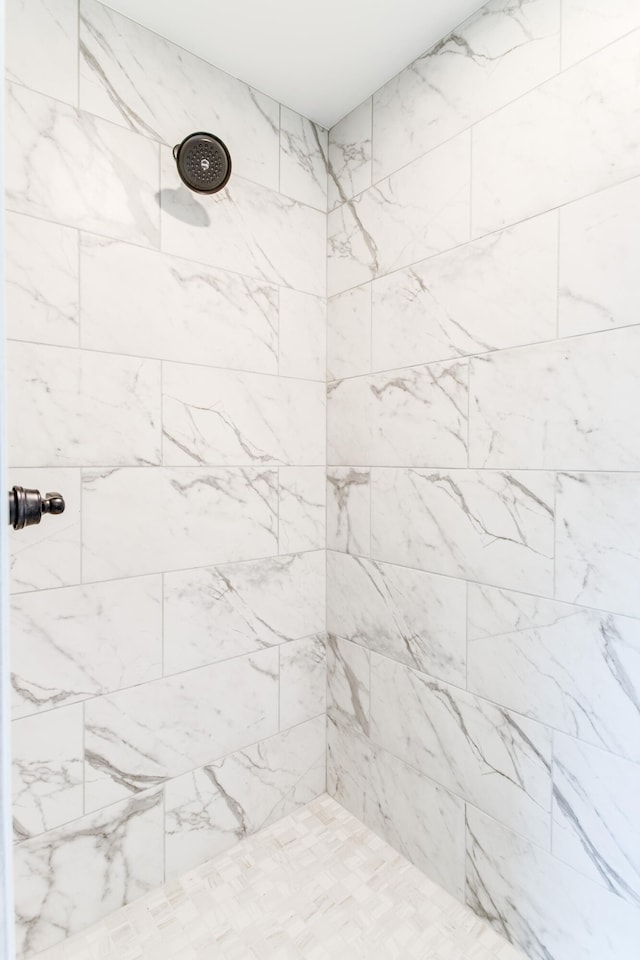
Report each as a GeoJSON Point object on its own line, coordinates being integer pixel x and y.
{"type": "Point", "coordinates": [204, 163]}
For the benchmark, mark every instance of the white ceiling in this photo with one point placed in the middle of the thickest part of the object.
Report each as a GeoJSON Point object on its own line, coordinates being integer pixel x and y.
{"type": "Point", "coordinates": [319, 57]}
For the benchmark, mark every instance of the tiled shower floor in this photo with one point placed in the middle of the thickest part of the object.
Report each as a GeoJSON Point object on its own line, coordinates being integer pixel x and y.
{"type": "Point", "coordinates": [317, 885]}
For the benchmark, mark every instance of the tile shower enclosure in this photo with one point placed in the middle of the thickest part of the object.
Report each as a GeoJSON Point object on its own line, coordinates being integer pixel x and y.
{"type": "Point", "coordinates": [470, 388]}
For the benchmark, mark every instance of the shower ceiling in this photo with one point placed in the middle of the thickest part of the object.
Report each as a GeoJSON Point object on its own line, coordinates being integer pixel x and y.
{"type": "Point", "coordinates": [319, 57]}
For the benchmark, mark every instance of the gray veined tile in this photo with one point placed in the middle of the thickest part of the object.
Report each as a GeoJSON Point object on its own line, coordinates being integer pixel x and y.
{"type": "Point", "coordinates": [349, 510]}
{"type": "Point", "coordinates": [215, 613]}
{"type": "Point", "coordinates": [588, 25]}
{"type": "Point", "coordinates": [349, 333]}
{"type": "Point", "coordinates": [74, 168]}
{"type": "Point", "coordinates": [571, 668]}
{"type": "Point", "coordinates": [79, 642]}
{"type": "Point", "coordinates": [198, 314]}
{"type": "Point", "coordinates": [599, 254]}
{"type": "Point", "coordinates": [571, 136]}
{"type": "Point", "coordinates": [419, 211]}
{"type": "Point", "coordinates": [220, 417]}
{"type": "Point", "coordinates": [303, 680]}
{"type": "Point", "coordinates": [303, 159]}
{"type": "Point", "coordinates": [414, 417]}
{"type": "Point", "coordinates": [494, 759]}
{"type": "Point", "coordinates": [495, 56]}
{"type": "Point", "coordinates": [138, 738]}
{"type": "Point", "coordinates": [301, 509]}
{"type": "Point", "coordinates": [349, 164]}
{"type": "Point", "coordinates": [69, 878]}
{"type": "Point", "coordinates": [41, 274]}
{"type": "Point", "coordinates": [407, 615]}
{"type": "Point", "coordinates": [302, 335]}
{"type": "Point", "coordinates": [134, 77]}
{"type": "Point", "coordinates": [548, 909]}
{"type": "Point", "coordinates": [595, 806]}
{"type": "Point", "coordinates": [79, 408]}
{"type": "Point", "coordinates": [495, 292]}
{"type": "Point", "coordinates": [480, 525]}
{"type": "Point", "coordinates": [519, 418]}
{"type": "Point", "coordinates": [348, 684]}
{"type": "Point", "coordinates": [42, 52]}
{"type": "Point", "coordinates": [47, 771]}
{"type": "Point", "coordinates": [170, 518]}
{"type": "Point", "coordinates": [348, 767]}
{"type": "Point", "coordinates": [214, 807]}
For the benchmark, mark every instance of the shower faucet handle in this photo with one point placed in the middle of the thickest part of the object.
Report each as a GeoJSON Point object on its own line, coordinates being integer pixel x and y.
{"type": "Point", "coordinates": [26, 507]}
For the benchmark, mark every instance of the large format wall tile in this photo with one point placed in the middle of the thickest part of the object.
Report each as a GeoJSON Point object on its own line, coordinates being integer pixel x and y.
{"type": "Point", "coordinates": [574, 669]}
{"type": "Point", "coordinates": [138, 738]}
{"type": "Point", "coordinates": [74, 408]}
{"type": "Point", "coordinates": [348, 683]}
{"type": "Point", "coordinates": [79, 642]}
{"type": "Point", "coordinates": [416, 212]}
{"type": "Point", "coordinates": [70, 878]}
{"type": "Point", "coordinates": [520, 419]}
{"type": "Point", "coordinates": [550, 910]}
{"type": "Point", "coordinates": [197, 314]}
{"type": "Point", "coordinates": [136, 78]}
{"type": "Point", "coordinates": [571, 136]}
{"type": "Point", "coordinates": [303, 159]}
{"type": "Point", "coordinates": [219, 417]}
{"type": "Point", "coordinates": [498, 54]}
{"type": "Point", "coordinates": [490, 757]}
{"type": "Point", "coordinates": [303, 680]}
{"type": "Point", "coordinates": [349, 510]}
{"type": "Point", "coordinates": [143, 521]}
{"type": "Point", "coordinates": [302, 335]}
{"type": "Point", "coordinates": [413, 617]}
{"type": "Point", "coordinates": [412, 417]}
{"type": "Point", "coordinates": [480, 525]}
{"type": "Point", "coordinates": [588, 25]}
{"type": "Point", "coordinates": [245, 228]}
{"type": "Point", "coordinates": [301, 509]}
{"type": "Point", "coordinates": [42, 46]}
{"type": "Point", "coordinates": [495, 292]}
{"type": "Point", "coordinates": [216, 806]}
{"type": "Point", "coordinates": [220, 612]}
{"type": "Point", "coordinates": [349, 333]}
{"type": "Point", "coordinates": [74, 168]}
{"type": "Point", "coordinates": [350, 155]}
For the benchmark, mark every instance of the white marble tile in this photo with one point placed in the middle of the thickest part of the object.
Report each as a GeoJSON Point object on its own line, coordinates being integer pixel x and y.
{"type": "Point", "coordinates": [349, 333]}
{"type": "Point", "coordinates": [245, 228]}
{"type": "Point", "coordinates": [421, 210]}
{"type": "Point", "coordinates": [145, 521]}
{"type": "Point", "coordinates": [78, 170]}
{"type": "Point", "coordinates": [574, 669]}
{"type": "Point", "coordinates": [47, 771]}
{"type": "Point", "coordinates": [220, 612]}
{"type": "Point", "coordinates": [348, 767]}
{"type": "Point", "coordinates": [41, 275]}
{"type": "Point", "coordinates": [303, 335]}
{"type": "Point", "coordinates": [211, 809]}
{"type": "Point", "coordinates": [568, 138]}
{"type": "Point", "coordinates": [416, 416]}
{"type": "Point", "coordinates": [197, 314]}
{"type": "Point", "coordinates": [348, 683]}
{"type": "Point", "coordinates": [490, 757]}
{"type": "Point", "coordinates": [499, 53]}
{"type": "Point", "coordinates": [566, 405]}
{"type": "Point", "coordinates": [407, 615]}
{"type": "Point", "coordinates": [69, 878]}
{"type": "Point", "coordinates": [498, 291]}
{"type": "Point", "coordinates": [546, 908]}
{"type": "Point", "coordinates": [595, 801]}
{"type": "Point", "coordinates": [48, 554]}
{"type": "Point", "coordinates": [303, 159]}
{"type": "Point", "coordinates": [303, 680]}
{"type": "Point", "coordinates": [599, 254]}
{"type": "Point", "coordinates": [588, 25]}
{"type": "Point", "coordinates": [78, 408]}
{"type": "Point", "coordinates": [42, 44]}
{"type": "Point", "coordinates": [349, 510]}
{"type": "Point", "coordinates": [302, 509]}
{"type": "Point", "coordinates": [134, 77]}
{"type": "Point", "coordinates": [597, 537]}
{"type": "Point", "coordinates": [222, 418]}
{"type": "Point", "coordinates": [350, 155]}
{"type": "Point", "coordinates": [137, 738]}
{"type": "Point", "coordinates": [78, 642]}
{"type": "Point", "coordinates": [480, 525]}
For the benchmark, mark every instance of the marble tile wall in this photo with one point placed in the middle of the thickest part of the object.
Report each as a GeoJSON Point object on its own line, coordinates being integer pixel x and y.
{"type": "Point", "coordinates": [483, 486]}
{"type": "Point", "coordinates": [167, 361]}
